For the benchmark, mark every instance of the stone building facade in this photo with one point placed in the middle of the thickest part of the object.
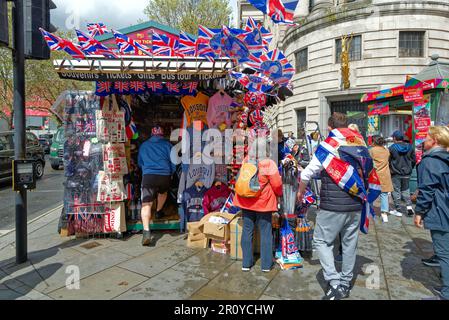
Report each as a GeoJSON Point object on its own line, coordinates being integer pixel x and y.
{"type": "Point", "coordinates": [390, 40]}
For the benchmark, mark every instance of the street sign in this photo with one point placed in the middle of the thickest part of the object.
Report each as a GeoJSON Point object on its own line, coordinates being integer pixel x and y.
{"type": "Point", "coordinates": [4, 30]}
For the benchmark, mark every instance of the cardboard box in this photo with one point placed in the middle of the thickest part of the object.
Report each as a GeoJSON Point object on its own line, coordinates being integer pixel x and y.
{"type": "Point", "coordinates": [196, 237]}
{"type": "Point", "coordinates": [236, 229]}
{"type": "Point", "coordinates": [195, 227]}
{"type": "Point", "coordinates": [201, 244]}
{"type": "Point", "coordinates": [218, 231]}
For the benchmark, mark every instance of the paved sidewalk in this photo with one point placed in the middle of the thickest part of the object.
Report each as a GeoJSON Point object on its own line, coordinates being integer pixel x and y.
{"type": "Point", "coordinates": [123, 269]}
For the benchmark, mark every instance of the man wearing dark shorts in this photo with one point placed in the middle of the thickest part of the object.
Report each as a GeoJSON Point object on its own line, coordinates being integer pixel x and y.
{"type": "Point", "coordinates": [157, 169]}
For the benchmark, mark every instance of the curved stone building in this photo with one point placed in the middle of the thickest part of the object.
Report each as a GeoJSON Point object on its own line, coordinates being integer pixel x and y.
{"type": "Point", "coordinates": [390, 40]}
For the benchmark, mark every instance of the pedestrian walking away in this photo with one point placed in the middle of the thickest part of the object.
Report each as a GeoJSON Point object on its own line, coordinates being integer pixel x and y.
{"type": "Point", "coordinates": [432, 205]}
{"type": "Point", "coordinates": [402, 163]}
{"type": "Point", "coordinates": [340, 212]}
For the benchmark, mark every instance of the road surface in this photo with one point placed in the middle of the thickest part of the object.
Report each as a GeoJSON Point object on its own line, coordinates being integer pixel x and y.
{"type": "Point", "coordinates": [48, 195]}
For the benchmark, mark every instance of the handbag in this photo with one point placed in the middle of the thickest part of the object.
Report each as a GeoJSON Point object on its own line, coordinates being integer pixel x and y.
{"type": "Point", "coordinates": [114, 219]}
{"type": "Point", "coordinates": [114, 158]}
{"type": "Point", "coordinates": [110, 124]}
{"type": "Point", "coordinates": [111, 187]}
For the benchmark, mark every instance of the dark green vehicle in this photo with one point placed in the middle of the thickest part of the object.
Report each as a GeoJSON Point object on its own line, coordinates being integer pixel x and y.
{"type": "Point", "coordinates": [57, 150]}
{"type": "Point", "coordinates": [34, 151]}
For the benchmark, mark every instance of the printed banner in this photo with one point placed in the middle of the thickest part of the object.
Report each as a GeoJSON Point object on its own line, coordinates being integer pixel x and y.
{"type": "Point", "coordinates": [110, 126]}
{"type": "Point", "coordinates": [422, 121]}
{"type": "Point", "coordinates": [413, 94]}
{"type": "Point", "coordinates": [373, 125]}
{"type": "Point", "coordinates": [378, 108]}
{"type": "Point", "coordinates": [110, 187]}
{"type": "Point", "coordinates": [105, 88]}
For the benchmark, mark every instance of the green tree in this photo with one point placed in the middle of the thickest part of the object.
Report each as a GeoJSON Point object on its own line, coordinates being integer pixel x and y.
{"type": "Point", "coordinates": [186, 15]}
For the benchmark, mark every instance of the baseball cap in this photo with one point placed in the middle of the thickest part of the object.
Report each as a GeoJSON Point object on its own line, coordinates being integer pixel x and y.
{"type": "Point", "coordinates": [157, 131]}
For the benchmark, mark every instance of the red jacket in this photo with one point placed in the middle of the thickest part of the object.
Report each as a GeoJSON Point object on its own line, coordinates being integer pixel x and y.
{"type": "Point", "coordinates": [271, 185]}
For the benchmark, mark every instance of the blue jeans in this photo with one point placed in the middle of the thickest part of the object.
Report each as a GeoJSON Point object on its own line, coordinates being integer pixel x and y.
{"type": "Point", "coordinates": [263, 221]}
{"type": "Point", "coordinates": [440, 241]}
{"type": "Point", "coordinates": [384, 204]}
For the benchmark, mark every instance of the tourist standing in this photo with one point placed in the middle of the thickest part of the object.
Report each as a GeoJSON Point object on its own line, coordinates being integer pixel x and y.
{"type": "Point", "coordinates": [402, 162]}
{"type": "Point", "coordinates": [381, 156]}
{"type": "Point", "coordinates": [432, 204]}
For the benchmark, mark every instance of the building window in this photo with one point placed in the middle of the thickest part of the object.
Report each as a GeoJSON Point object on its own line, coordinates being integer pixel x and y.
{"type": "Point", "coordinates": [354, 110]}
{"type": "Point", "coordinates": [302, 59]}
{"type": "Point", "coordinates": [301, 117]}
{"type": "Point", "coordinates": [411, 44]}
{"type": "Point", "coordinates": [355, 49]}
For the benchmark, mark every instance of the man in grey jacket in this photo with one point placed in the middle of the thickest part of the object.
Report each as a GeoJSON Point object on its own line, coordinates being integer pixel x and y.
{"type": "Point", "coordinates": [339, 213]}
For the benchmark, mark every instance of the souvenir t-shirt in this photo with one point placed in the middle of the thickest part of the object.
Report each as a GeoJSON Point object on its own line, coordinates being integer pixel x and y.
{"type": "Point", "coordinates": [218, 110]}
{"type": "Point", "coordinates": [193, 203]}
{"type": "Point", "coordinates": [196, 171]}
{"type": "Point", "coordinates": [195, 108]}
{"type": "Point", "coordinates": [215, 198]}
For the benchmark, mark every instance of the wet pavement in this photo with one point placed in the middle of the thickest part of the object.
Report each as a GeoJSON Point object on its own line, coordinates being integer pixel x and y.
{"type": "Point", "coordinates": [388, 267]}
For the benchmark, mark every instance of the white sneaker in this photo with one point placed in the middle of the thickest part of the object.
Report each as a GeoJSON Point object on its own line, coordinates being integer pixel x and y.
{"type": "Point", "coordinates": [396, 213]}
{"type": "Point", "coordinates": [384, 217]}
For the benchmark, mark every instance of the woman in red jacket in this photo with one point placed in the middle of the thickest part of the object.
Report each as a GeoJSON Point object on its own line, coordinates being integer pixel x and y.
{"type": "Point", "coordinates": [259, 210]}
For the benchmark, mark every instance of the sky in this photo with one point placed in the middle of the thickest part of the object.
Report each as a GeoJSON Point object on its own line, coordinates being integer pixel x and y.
{"type": "Point", "coordinates": [113, 13]}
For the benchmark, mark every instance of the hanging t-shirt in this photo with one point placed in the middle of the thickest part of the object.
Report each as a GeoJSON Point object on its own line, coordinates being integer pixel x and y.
{"type": "Point", "coordinates": [218, 110]}
{"type": "Point", "coordinates": [215, 198]}
{"type": "Point", "coordinates": [202, 171]}
{"type": "Point", "coordinates": [195, 108]}
{"type": "Point", "coordinates": [221, 173]}
{"type": "Point", "coordinates": [193, 203]}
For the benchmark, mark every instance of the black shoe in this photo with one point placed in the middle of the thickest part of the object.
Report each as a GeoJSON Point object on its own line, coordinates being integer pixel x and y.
{"type": "Point", "coordinates": [431, 262]}
{"type": "Point", "coordinates": [332, 294]}
{"type": "Point", "coordinates": [338, 259]}
{"type": "Point", "coordinates": [160, 215]}
{"type": "Point", "coordinates": [344, 291]}
{"type": "Point", "coordinates": [147, 238]}
{"type": "Point", "coordinates": [410, 212]}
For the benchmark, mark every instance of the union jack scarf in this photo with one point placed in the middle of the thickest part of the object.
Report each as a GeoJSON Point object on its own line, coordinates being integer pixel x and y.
{"type": "Point", "coordinates": [340, 154]}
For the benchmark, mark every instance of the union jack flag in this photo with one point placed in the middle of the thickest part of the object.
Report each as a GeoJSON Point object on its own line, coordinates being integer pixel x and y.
{"type": "Point", "coordinates": [280, 11]}
{"type": "Point", "coordinates": [90, 126]}
{"type": "Point", "coordinates": [92, 46]}
{"type": "Point", "coordinates": [254, 83]}
{"type": "Point", "coordinates": [96, 29]}
{"type": "Point", "coordinates": [121, 86]}
{"type": "Point", "coordinates": [187, 45]}
{"type": "Point", "coordinates": [137, 86]}
{"type": "Point", "coordinates": [79, 125]}
{"type": "Point", "coordinates": [236, 47]}
{"type": "Point", "coordinates": [165, 46]}
{"type": "Point", "coordinates": [191, 86]}
{"type": "Point", "coordinates": [128, 45]}
{"type": "Point", "coordinates": [276, 66]}
{"type": "Point", "coordinates": [154, 86]}
{"type": "Point", "coordinates": [209, 43]}
{"type": "Point", "coordinates": [56, 43]}
{"type": "Point", "coordinates": [172, 87]}
{"type": "Point", "coordinates": [266, 35]}
{"type": "Point", "coordinates": [104, 86]}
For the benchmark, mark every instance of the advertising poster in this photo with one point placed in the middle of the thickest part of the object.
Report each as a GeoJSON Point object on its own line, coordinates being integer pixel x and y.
{"type": "Point", "coordinates": [422, 121]}
{"type": "Point", "coordinates": [378, 108]}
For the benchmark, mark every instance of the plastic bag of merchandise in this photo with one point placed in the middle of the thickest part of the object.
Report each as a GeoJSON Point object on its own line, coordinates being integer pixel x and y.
{"type": "Point", "coordinates": [288, 246]}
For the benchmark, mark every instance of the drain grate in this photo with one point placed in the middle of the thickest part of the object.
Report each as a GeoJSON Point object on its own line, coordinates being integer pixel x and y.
{"type": "Point", "coordinates": [91, 245]}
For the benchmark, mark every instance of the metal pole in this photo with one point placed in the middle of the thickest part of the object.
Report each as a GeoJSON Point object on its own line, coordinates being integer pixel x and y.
{"type": "Point", "coordinates": [19, 126]}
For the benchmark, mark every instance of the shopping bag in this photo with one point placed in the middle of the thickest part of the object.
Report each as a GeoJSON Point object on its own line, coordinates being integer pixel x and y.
{"type": "Point", "coordinates": [114, 158]}
{"type": "Point", "coordinates": [114, 219]}
{"type": "Point", "coordinates": [288, 246]}
{"type": "Point", "coordinates": [110, 124]}
{"type": "Point", "coordinates": [111, 187]}
{"type": "Point", "coordinates": [304, 234]}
